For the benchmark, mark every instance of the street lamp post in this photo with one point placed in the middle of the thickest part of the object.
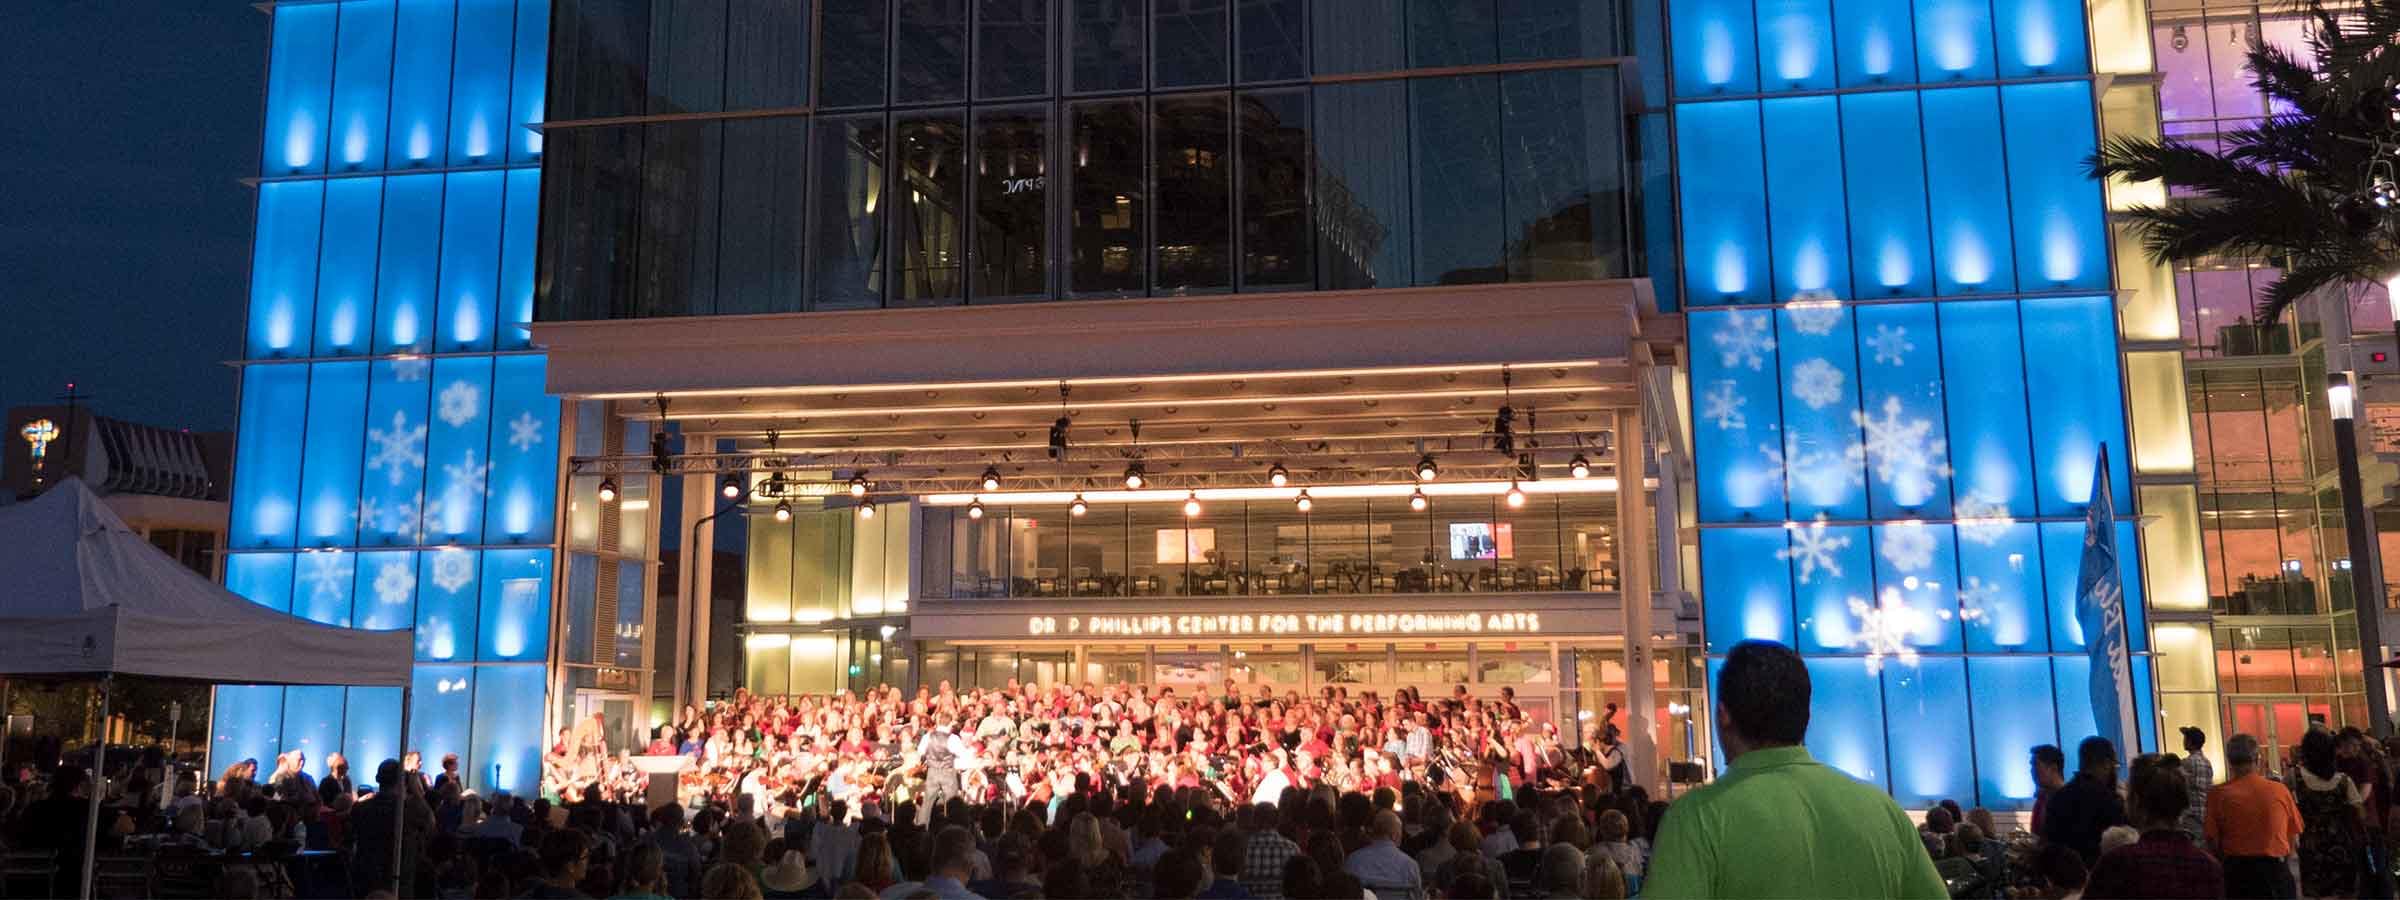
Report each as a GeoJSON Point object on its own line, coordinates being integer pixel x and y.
{"type": "Point", "coordinates": [2366, 587]}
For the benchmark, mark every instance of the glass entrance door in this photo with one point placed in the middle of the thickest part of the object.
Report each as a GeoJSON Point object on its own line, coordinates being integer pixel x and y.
{"type": "Point", "coordinates": [2278, 723]}
{"type": "Point", "coordinates": [618, 726]}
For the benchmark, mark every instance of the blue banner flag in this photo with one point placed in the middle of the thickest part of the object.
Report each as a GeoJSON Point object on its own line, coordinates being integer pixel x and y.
{"type": "Point", "coordinates": [2100, 609]}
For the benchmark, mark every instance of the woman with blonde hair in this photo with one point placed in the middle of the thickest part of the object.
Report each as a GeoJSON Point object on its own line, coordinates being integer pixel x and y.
{"type": "Point", "coordinates": [1101, 869]}
{"type": "Point", "coordinates": [875, 867]}
{"type": "Point", "coordinates": [1602, 879]}
{"type": "Point", "coordinates": [727, 881]}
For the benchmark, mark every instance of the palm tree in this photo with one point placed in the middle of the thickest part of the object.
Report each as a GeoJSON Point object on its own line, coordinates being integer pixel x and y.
{"type": "Point", "coordinates": [2310, 188]}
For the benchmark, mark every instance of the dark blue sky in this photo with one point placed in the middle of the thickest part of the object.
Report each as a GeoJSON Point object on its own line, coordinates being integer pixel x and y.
{"type": "Point", "coordinates": [124, 228]}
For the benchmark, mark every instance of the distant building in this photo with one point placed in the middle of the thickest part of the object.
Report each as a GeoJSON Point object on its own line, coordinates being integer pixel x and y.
{"type": "Point", "coordinates": [168, 483]}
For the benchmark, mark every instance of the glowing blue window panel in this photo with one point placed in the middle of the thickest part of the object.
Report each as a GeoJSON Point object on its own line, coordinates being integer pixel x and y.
{"type": "Point", "coordinates": [247, 724]}
{"type": "Point", "coordinates": [2074, 698]}
{"type": "Point", "coordinates": [458, 467]}
{"type": "Point", "coordinates": [529, 79]}
{"type": "Point", "coordinates": [1724, 219]}
{"type": "Point", "coordinates": [447, 592]}
{"type": "Point", "coordinates": [441, 712]}
{"type": "Point", "coordinates": [1812, 249]}
{"type": "Point", "coordinates": [1818, 353]}
{"type": "Point", "coordinates": [2041, 37]}
{"type": "Point", "coordinates": [2062, 552]}
{"type": "Point", "coordinates": [337, 400]}
{"type": "Point", "coordinates": [1736, 428]}
{"type": "Point", "coordinates": [312, 723]}
{"type": "Point", "coordinates": [370, 728]}
{"type": "Point", "coordinates": [2082, 401]}
{"type": "Point", "coordinates": [508, 730]}
{"type": "Point", "coordinates": [262, 578]}
{"type": "Point", "coordinates": [1954, 40]}
{"type": "Point", "coordinates": [2061, 242]}
{"type": "Point", "coordinates": [1963, 169]}
{"type": "Point", "coordinates": [1984, 390]}
{"type": "Point", "coordinates": [519, 214]}
{"type": "Point", "coordinates": [2013, 715]}
{"type": "Point", "coordinates": [421, 52]}
{"type": "Point", "coordinates": [266, 473]}
{"type": "Point", "coordinates": [1929, 697]}
{"type": "Point", "coordinates": [362, 84]}
{"type": "Point", "coordinates": [299, 90]}
{"type": "Point", "coordinates": [524, 454]}
{"type": "Point", "coordinates": [1845, 718]}
{"type": "Point", "coordinates": [391, 501]}
{"type": "Point", "coordinates": [1715, 48]}
{"type": "Point", "coordinates": [1883, 156]}
{"type": "Point", "coordinates": [479, 81]}
{"type": "Point", "coordinates": [1795, 45]}
{"type": "Point", "coordinates": [346, 265]}
{"type": "Point", "coordinates": [405, 273]}
{"type": "Point", "coordinates": [1873, 46]}
{"type": "Point", "coordinates": [1831, 566]}
{"type": "Point", "coordinates": [516, 605]}
{"type": "Point", "coordinates": [1747, 600]}
{"type": "Point", "coordinates": [470, 260]}
{"type": "Point", "coordinates": [2002, 601]}
{"type": "Point", "coordinates": [1906, 437]}
{"type": "Point", "coordinates": [283, 268]}
{"type": "Point", "coordinates": [321, 589]}
{"type": "Point", "coordinates": [387, 590]}
{"type": "Point", "coordinates": [1916, 578]}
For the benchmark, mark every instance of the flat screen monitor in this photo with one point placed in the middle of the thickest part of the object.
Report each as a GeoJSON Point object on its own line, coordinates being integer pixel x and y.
{"type": "Point", "coordinates": [1480, 540]}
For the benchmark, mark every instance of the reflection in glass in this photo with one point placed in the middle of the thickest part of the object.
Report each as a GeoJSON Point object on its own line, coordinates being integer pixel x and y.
{"type": "Point", "coordinates": [930, 186]}
{"type": "Point", "coordinates": [1556, 29]}
{"type": "Point", "coordinates": [1104, 45]}
{"type": "Point", "coordinates": [1361, 189]}
{"type": "Point", "coordinates": [851, 40]}
{"type": "Point", "coordinates": [1195, 210]}
{"type": "Point", "coordinates": [929, 51]}
{"type": "Point", "coordinates": [1012, 191]}
{"type": "Point", "coordinates": [678, 262]}
{"type": "Point", "coordinates": [1451, 32]}
{"type": "Point", "coordinates": [1565, 184]}
{"type": "Point", "coordinates": [1107, 207]}
{"type": "Point", "coordinates": [1273, 38]}
{"type": "Point", "coordinates": [1190, 42]}
{"type": "Point", "coordinates": [1357, 36]}
{"type": "Point", "coordinates": [1012, 49]}
{"type": "Point", "coordinates": [846, 231]}
{"type": "Point", "coordinates": [1276, 237]}
{"type": "Point", "coordinates": [1456, 154]}
{"type": "Point", "coordinates": [761, 253]}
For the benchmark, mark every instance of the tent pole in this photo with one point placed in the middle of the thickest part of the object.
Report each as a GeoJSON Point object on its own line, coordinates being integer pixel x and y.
{"type": "Point", "coordinates": [97, 786]}
{"type": "Point", "coordinates": [400, 797]}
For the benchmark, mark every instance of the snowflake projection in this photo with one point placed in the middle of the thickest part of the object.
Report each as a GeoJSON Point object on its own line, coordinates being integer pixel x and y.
{"type": "Point", "coordinates": [452, 569]}
{"type": "Point", "coordinates": [394, 582]}
{"type": "Point", "coordinates": [324, 575]}
{"type": "Point", "coordinates": [1817, 383]}
{"type": "Point", "coordinates": [1822, 472]}
{"type": "Point", "coordinates": [1908, 546]}
{"type": "Point", "coordinates": [412, 368]}
{"type": "Point", "coordinates": [1903, 451]}
{"type": "Point", "coordinates": [1976, 598]}
{"type": "Point", "coordinates": [525, 432]}
{"type": "Point", "coordinates": [1722, 406]}
{"type": "Point", "coordinates": [437, 639]}
{"type": "Point", "coordinates": [370, 513]}
{"type": "Point", "coordinates": [459, 402]}
{"type": "Point", "coordinates": [1745, 340]}
{"type": "Point", "coordinates": [1883, 629]}
{"type": "Point", "coordinates": [467, 478]}
{"type": "Point", "coordinates": [1890, 345]}
{"type": "Point", "coordinates": [1983, 521]}
{"type": "Point", "coordinates": [1813, 549]}
{"type": "Point", "coordinates": [396, 451]}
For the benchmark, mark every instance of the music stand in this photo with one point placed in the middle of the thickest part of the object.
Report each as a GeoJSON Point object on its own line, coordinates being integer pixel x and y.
{"type": "Point", "coordinates": [662, 771]}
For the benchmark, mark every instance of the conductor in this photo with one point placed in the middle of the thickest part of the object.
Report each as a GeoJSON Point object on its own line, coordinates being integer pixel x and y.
{"type": "Point", "coordinates": [941, 750]}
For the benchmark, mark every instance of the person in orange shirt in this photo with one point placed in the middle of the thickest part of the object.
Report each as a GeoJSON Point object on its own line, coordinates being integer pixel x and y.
{"type": "Point", "coordinates": [2251, 823]}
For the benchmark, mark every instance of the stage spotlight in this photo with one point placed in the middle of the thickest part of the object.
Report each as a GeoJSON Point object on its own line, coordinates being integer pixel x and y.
{"type": "Point", "coordinates": [661, 459]}
{"type": "Point", "coordinates": [1278, 476]}
{"type": "Point", "coordinates": [730, 486]}
{"type": "Point", "coordinates": [1579, 467]}
{"type": "Point", "coordinates": [783, 510]}
{"type": "Point", "coordinates": [608, 490]}
{"type": "Point", "coordinates": [1133, 477]}
{"type": "Point", "coordinates": [991, 478]}
{"type": "Point", "coordinates": [1426, 470]}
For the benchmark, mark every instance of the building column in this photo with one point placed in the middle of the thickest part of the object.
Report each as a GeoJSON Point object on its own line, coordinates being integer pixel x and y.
{"type": "Point", "coordinates": [693, 606]}
{"type": "Point", "coordinates": [1634, 562]}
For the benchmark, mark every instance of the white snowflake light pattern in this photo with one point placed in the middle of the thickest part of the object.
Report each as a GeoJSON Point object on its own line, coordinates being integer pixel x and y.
{"type": "Point", "coordinates": [398, 450]}
{"type": "Point", "coordinates": [467, 478]}
{"type": "Point", "coordinates": [1976, 598]}
{"type": "Point", "coordinates": [1817, 383]}
{"type": "Point", "coordinates": [1884, 628]}
{"type": "Point", "coordinates": [1722, 406]}
{"type": "Point", "coordinates": [525, 432]}
{"type": "Point", "coordinates": [1813, 549]}
{"type": "Point", "coordinates": [1820, 473]}
{"type": "Point", "coordinates": [411, 368]}
{"type": "Point", "coordinates": [1745, 340]}
{"type": "Point", "coordinates": [1903, 451]}
{"type": "Point", "coordinates": [459, 402]}
{"type": "Point", "coordinates": [1908, 546]}
{"type": "Point", "coordinates": [394, 582]}
{"type": "Point", "coordinates": [324, 575]}
{"type": "Point", "coordinates": [452, 569]}
{"type": "Point", "coordinates": [1983, 521]}
{"type": "Point", "coordinates": [1890, 345]}
{"type": "Point", "coordinates": [1814, 313]}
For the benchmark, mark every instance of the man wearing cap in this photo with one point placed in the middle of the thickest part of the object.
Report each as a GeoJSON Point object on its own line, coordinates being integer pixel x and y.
{"type": "Point", "coordinates": [2251, 824]}
{"type": "Point", "coordinates": [2198, 776]}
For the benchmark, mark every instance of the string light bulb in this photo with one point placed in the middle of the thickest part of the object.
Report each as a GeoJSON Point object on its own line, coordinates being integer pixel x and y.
{"type": "Point", "coordinates": [1133, 477]}
{"type": "Point", "coordinates": [866, 509]}
{"type": "Point", "coordinates": [1515, 495]}
{"type": "Point", "coordinates": [975, 509]}
{"type": "Point", "coordinates": [991, 478]}
{"type": "Point", "coordinates": [1426, 470]}
{"type": "Point", "coordinates": [730, 486]}
{"type": "Point", "coordinates": [1077, 507]}
{"type": "Point", "coordinates": [858, 485]}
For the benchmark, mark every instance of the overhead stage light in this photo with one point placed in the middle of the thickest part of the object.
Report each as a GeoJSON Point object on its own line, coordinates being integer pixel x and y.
{"type": "Point", "coordinates": [1303, 502]}
{"type": "Point", "coordinates": [1278, 476]}
{"type": "Point", "coordinates": [858, 485]}
{"type": "Point", "coordinates": [608, 490]}
{"type": "Point", "coordinates": [866, 509]}
{"type": "Point", "coordinates": [975, 510]}
{"type": "Point", "coordinates": [991, 478]}
{"type": "Point", "coordinates": [1416, 500]}
{"type": "Point", "coordinates": [1426, 470]}
{"type": "Point", "coordinates": [1579, 467]}
{"type": "Point", "coordinates": [730, 486]}
{"type": "Point", "coordinates": [1133, 477]}
{"type": "Point", "coordinates": [1515, 495]}
{"type": "Point", "coordinates": [1077, 507]}
{"type": "Point", "coordinates": [1191, 504]}
{"type": "Point", "coordinates": [783, 510]}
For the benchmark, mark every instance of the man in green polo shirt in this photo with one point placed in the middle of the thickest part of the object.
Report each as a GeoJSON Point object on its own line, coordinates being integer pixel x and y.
{"type": "Point", "coordinates": [1779, 823]}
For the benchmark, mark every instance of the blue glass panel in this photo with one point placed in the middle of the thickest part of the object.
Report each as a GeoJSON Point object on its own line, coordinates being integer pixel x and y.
{"type": "Point", "coordinates": [1916, 575]}
{"type": "Point", "coordinates": [2082, 403]}
{"type": "Point", "coordinates": [346, 265]}
{"type": "Point", "coordinates": [2000, 593]}
{"type": "Point", "coordinates": [1832, 566]}
{"type": "Point", "coordinates": [1908, 451]}
{"type": "Point", "coordinates": [1746, 600]}
{"type": "Point", "coordinates": [266, 473]}
{"type": "Point", "coordinates": [508, 730]}
{"type": "Point", "coordinates": [337, 399]}
{"type": "Point", "coordinates": [1736, 430]}
{"type": "Point", "coordinates": [1984, 391]}
{"type": "Point", "coordinates": [2062, 563]}
{"type": "Point", "coordinates": [321, 587]}
{"type": "Point", "coordinates": [1872, 46]}
{"type": "Point", "coordinates": [524, 454]}
{"type": "Point", "coordinates": [446, 596]}
{"type": "Point", "coordinates": [518, 218]}
{"type": "Point", "coordinates": [529, 81]}
{"type": "Point", "coordinates": [1716, 745]}
{"type": "Point", "coordinates": [2061, 243]}
{"type": "Point", "coordinates": [457, 468]}
{"type": "Point", "coordinates": [387, 590]}
{"type": "Point", "coordinates": [2072, 691]}
{"type": "Point", "coordinates": [2012, 716]}
{"type": "Point", "coordinates": [421, 52]}
{"type": "Point", "coordinates": [1883, 155]}
{"type": "Point", "coordinates": [404, 282]}
{"type": "Point", "coordinates": [1927, 698]}
{"type": "Point", "coordinates": [264, 578]}
{"type": "Point", "coordinates": [1795, 44]}
{"type": "Point", "coordinates": [1962, 169]}
{"type": "Point", "coordinates": [312, 724]}
{"type": "Point", "coordinates": [1812, 248]}
{"type": "Point", "coordinates": [283, 267]}
{"type": "Point", "coordinates": [1954, 40]}
{"type": "Point", "coordinates": [442, 704]}
{"type": "Point", "coordinates": [479, 81]}
{"type": "Point", "coordinates": [1820, 412]}
{"type": "Point", "coordinates": [470, 260]}
{"type": "Point", "coordinates": [516, 605]}
{"type": "Point", "coordinates": [2145, 706]}
{"type": "Point", "coordinates": [248, 724]}
{"type": "Point", "coordinates": [1845, 718]}
{"type": "Point", "coordinates": [2041, 37]}
{"type": "Point", "coordinates": [1724, 222]}
{"type": "Point", "coordinates": [371, 729]}
{"type": "Point", "coordinates": [1715, 45]}
{"type": "Point", "coordinates": [362, 83]}
{"type": "Point", "coordinates": [299, 90]}
{"type": "Point", "coordinates": [391, 503]}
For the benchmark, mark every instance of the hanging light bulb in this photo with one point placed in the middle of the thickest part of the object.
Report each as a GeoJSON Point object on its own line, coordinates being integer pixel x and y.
{"type": "Point", "coordinates": [731, 486]}
{"type": "Point", "coordinates": [1416, 500]}
{"type": "Point", "coordinates": [2384, 193]}
{"type": "Point", "coordinates": [1426, 470]}
{"type": "Point", "coordinates": [991, 478]}
{"type": "Point", "coordinates": [783, 510]}
{"type": "Point", "coordinates": [1515, 495]}
{"type": "Point", "coordinates": [1191, 504]}
{"type": "Point", "coordinates": [608, 490]}
{"type": "Point", "coordinates": [858, 485]}
{"type": "Point", "coordinates": [1133, 477]}
{"type": "Point", "coordinates": [1303, 502]}
{"type": "Point", "coordinates": [1579, 467]}
{"type": "Point", "coordinates": [975, 508]}
{"type": "Point", "coordinates": [1077, 507]}
{"type": "Point", "coordinates": [1277, 476]}
{"type": "Point", "coordinates": [866, 509]}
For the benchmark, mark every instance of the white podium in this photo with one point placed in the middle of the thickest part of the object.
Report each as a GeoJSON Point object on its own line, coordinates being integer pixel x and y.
{"type": "Point", "coordinates": [662, 771]}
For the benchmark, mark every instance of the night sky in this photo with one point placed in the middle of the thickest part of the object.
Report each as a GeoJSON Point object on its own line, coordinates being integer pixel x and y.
{"type": "Point", "coordinates": [124, 228]}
